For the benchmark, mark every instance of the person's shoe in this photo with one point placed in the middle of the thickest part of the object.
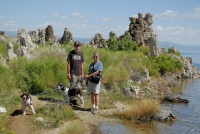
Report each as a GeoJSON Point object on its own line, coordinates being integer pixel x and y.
{"type": "Point", "coordinates": [92, 110]}
{"type": "Point", "coordinates": [95, 111]}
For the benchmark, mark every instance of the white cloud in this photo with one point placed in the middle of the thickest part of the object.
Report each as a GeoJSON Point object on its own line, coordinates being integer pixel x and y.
{"type": "Point", "coordinates": [193, 32]}
{"type": "Point", "coordinates": [197, 9]}
{"type": "Point", "coordinates": [76, 14]}
{"type": "Point", "coordinates": [135, 16]}
{"type": "Point", "coordinates": [176, 30]}
{"type": "Point", "coordinates": [64, 17]}
{"type": "Point", "coordinates": [108, 20]}
{"type": "Point", "coordinates": [55, 14]}
{"type": "Point", "coordinates": [10, 24]}
{"type": "Point", "coordinates": [1, 18]}
{"type": "Point", "coordinates": [180, 35]}
{"type": "Point", "coordinates": [167, 14]}
{"type": "Point", "coordinates": [105, 19]}
{"type": "Point", "coordinates": [47, 23]}
{"type": "Point", "coordinates": [159, 28]}
{"type": "Point", "coordinates": [80, 26]}
{"type": "Point", "coordinates": [195, 14]}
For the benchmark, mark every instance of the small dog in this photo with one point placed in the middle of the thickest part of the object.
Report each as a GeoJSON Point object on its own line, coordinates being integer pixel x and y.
{"type": "Point", "coordinates": [69, 94]}
{"type": "Point", "coordinates": [26, 102]}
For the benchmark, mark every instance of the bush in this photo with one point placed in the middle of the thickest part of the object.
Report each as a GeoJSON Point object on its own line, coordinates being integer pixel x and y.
{"type": "Point", "coordinates": [112, 44]}
{"type": "Point", "coordinates": [126, 43]}
{"type": "Point", "coordinates": [165, 64]}
{"type": "Point", "coordinates": [38, 75]}
{"type": "Point", "coordinates": [123, 44]}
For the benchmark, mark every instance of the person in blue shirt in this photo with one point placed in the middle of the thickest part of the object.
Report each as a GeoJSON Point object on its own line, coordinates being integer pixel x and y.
{"type": "Point", "coordinates": [94, 81]}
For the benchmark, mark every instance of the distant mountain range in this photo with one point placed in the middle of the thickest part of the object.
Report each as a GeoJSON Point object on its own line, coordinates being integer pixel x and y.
{"type": "Point", "coordinates": [10, 33]}
{"type": "Point", "coordinates": [188, 48]}
{"type": "Point", "coordinates": [184, 48]}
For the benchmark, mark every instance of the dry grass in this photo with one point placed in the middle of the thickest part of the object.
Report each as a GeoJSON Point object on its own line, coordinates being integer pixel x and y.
{"type": "Point", "coordinates": [143, 110]}
{"type": "Point", "coordinates": [72, 128]}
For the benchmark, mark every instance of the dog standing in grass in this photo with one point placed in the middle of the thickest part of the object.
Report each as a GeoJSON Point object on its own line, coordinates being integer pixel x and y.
{"type": "Point", "coordinates": [26, 102]}
{"type": "Point", "coordinates": [70, 94]}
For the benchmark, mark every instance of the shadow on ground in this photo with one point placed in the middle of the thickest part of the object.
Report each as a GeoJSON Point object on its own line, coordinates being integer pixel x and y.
{"type": "Point", "coordinates": [16, 112]}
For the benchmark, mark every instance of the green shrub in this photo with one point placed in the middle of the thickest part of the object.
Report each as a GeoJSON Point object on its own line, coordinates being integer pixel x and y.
{"type": "Point", "coordinates": [38, 75]}
{"type": "Point", "coordinates": [124, 44]}
{"type": "Point", "coordinates": [112, 44]}
{"type": "Point", "coordinates": [165, 64]}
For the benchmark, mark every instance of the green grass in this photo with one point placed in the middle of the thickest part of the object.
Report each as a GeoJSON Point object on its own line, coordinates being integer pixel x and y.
{"type": "Point", "coordinates": [54, 114]}
{"type": "Point", "coordinates": [49, 69]}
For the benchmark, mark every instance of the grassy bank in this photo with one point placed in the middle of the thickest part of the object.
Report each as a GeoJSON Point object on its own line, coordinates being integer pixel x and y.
{"type": "Point", "coordinates": [48, 69]}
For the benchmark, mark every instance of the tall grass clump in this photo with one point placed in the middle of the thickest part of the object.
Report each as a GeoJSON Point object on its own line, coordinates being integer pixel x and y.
{"type": "Point", "coordinates": [6, 79]}
{"type": "Point", "coordinates": [143, 110]}
{"type": "Point", "coordinates": [7, 90]}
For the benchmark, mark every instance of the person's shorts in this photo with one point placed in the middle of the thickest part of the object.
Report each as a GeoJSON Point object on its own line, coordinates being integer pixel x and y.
{"type": "Point", "coordinates": [81, 82]}
{"type": "Point", "coordinates": [94, 88]}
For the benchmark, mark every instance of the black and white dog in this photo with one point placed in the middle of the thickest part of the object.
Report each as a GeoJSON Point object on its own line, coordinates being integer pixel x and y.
{"type": "Point", "coordinates": [26, 102]}
{"type": "Point", "coordinates": [70, 93]}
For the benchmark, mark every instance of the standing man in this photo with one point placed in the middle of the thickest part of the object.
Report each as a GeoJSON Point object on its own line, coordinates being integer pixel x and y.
{"type": "Point", "coordinates": [75, 61]}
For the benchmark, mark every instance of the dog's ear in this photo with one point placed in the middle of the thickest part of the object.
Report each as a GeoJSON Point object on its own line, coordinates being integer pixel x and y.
{"type": "Point", "coordinates": [21, 95]}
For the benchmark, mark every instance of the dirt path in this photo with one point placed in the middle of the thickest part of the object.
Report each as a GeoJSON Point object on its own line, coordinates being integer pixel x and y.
{"type": "Point", "coordinates": [20, 124]}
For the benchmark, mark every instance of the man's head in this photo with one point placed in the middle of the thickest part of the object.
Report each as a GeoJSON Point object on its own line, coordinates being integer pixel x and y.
{"type": "Point", "coordinates": [77, 44]}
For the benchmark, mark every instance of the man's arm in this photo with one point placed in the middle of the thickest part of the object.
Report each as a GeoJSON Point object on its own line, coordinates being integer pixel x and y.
{"type": "Point", "coordinates": [68, 70]}
{"type": "Point", "coordinates": [82, 70]}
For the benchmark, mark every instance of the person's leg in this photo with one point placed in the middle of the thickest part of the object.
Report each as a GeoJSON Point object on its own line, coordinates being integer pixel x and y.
{"type": "Point", "coordinates": [96, 101]}
{"type": "Point", "coordinates": [93, 99]}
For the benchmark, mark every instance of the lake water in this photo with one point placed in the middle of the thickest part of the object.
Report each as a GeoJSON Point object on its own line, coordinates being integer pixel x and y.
{"type": "Point", "coordinates": [188, 115]}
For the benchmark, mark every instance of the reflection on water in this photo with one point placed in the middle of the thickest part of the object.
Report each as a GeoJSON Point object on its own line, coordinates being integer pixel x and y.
{"type": "Point", "coordinates": [188, 115]}
{"type": "Point", "coordinates": [113, 128]}
{"type": "Point", "coordinates": [143, 128]}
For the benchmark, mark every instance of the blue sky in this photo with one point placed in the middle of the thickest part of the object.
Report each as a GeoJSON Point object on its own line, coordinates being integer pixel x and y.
{"type": "Point", "coordinates": [175, 21]}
